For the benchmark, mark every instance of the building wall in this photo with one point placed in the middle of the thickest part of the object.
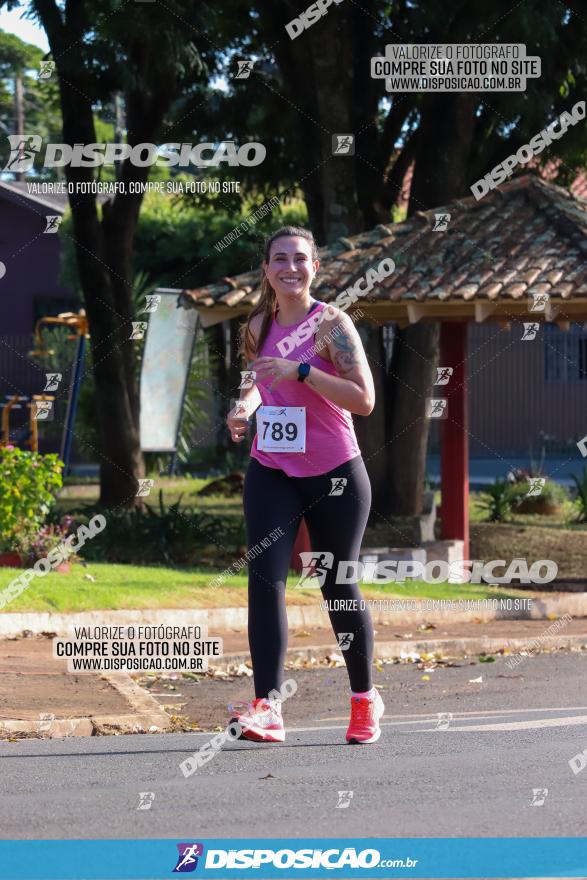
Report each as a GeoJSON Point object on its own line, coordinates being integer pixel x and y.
{"type": "Point", "coordinates": [522, 390]}
{"type": "Point", "coordinates": [32, 266]}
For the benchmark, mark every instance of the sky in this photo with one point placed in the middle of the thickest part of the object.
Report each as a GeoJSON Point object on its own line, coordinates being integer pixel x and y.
{"type": "Point", "coordinates": [25, 28]}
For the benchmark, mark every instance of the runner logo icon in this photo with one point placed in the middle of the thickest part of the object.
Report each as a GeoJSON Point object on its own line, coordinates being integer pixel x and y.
{"type": "Point", "coordinates": [315, 565]}
{"type": "Point", "coordinates": [187, 860]}
{"type": "Point", "coordinates": [23, 149]}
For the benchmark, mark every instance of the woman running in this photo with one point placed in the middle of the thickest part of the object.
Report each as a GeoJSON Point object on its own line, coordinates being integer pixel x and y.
{"type": "Point", "coordinates": [311, 373]}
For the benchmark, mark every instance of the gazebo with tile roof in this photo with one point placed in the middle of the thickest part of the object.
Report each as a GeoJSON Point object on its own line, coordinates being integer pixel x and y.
{"type": "Point", "coordinates": [527, 237]}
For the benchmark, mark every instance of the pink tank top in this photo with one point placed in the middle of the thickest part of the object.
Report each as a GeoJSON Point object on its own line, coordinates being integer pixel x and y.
{"type": "Point", "coordinates": [330, 433]}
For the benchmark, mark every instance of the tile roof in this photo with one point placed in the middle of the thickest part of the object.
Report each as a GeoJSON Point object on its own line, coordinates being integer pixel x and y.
{"type": "Point", "coordinates": [526, 236]}
{"type": "Point", "coordinates": [17, 191]}
{"type": "Point", "coordinates": [56, 201]}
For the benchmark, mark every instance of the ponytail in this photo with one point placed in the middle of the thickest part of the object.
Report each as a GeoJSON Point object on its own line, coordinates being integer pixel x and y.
{"type": "Point", "coordinates": [266, 307]}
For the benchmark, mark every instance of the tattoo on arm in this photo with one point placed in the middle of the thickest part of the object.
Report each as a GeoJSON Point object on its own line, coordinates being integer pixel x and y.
{"type": "Point", "coordinates": [345, 355]}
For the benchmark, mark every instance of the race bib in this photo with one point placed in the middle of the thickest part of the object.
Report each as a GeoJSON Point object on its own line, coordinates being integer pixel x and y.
{"type": "Point", "coordinates": [281, 428]}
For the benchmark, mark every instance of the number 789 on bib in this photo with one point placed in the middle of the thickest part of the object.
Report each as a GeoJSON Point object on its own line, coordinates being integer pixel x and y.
{"type": "Point", "coordinates": [281, 428]}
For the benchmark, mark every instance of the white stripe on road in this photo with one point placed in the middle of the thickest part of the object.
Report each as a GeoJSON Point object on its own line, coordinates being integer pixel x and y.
{"type": "Point", "coordinates": [426, 718]}
{"type": "Point", "coordinates": [528, 724]}
{"type": "Point", "coordinates": [483, 714]}
{"type": "Point", "coordinates": [423, 718]}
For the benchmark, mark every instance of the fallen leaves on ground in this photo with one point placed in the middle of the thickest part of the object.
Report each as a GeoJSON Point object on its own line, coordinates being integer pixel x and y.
{"type": "Point", "coordinates": [335, 660]}
{"type": "Point", "coordinates": [182, 724]}
{"type": "Point", "coordinates": [171, 709]}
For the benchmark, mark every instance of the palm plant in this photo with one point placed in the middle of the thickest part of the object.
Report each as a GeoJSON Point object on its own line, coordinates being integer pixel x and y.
{"type": "Point", "coordinates": [497, 500]}
{"type": "Point", "coordinates": [581, 484]}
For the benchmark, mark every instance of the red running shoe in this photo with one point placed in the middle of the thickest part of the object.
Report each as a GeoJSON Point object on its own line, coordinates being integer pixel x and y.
{"type": "Point", "coordinates": [365, 715]}
{"type": "Point", "coordinates": [261, 721]}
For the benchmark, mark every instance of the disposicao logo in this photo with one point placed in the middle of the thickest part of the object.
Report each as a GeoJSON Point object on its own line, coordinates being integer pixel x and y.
{"type": "Point", "coordinates": [187, 860]}
{"type": "Point", "coordinates": [25, 148]}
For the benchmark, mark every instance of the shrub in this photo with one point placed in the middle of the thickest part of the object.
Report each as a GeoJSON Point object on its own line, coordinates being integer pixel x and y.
{"type": "Point", "coordinates": [48, 537]}
{"type": "Point", "coordinates": [497, 500]}
{"type": "Point", "coordinates": [166, 535]}
{"type": "Point", "coordinates": [29, 482]}
{"type": "Point", "coordinates": [581, 501]}
{"type": "Point", "coordinates": [552, 495]}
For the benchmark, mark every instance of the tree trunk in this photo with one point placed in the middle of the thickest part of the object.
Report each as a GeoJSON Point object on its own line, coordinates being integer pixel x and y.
{"type": "Point", "coordinates": [440, 175]}
{"type": "Point", "coordinates": [412, 376]}
{"type": "Point", "coordinates": [370, 429]}
{"type": "Point", "coordinates": [333, 72]}
{"type": "Point", "coordinates": [104, 250]}
{"type": "Point", "coordinates": [215, 340]}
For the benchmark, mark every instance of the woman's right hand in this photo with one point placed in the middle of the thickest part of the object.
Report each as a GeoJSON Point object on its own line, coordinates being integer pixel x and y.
{"type": "Point", "coordinates": [237, 425]}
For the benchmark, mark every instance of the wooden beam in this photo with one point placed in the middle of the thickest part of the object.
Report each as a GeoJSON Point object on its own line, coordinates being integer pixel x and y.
{"type": "Point", "coordinates": [551, 310]}
{"type": "Point", "coordinates": [454, 456]}
{"type": "Point", "coordinates": [216, 314]}
{"type": "Point", "coordinates": [302, 544]}
{"type": "Point", "coordinates": [416, 311]}
{"type": "Point", "coordinates": [406, 313]}
{"type": "Point", "coordinates": [483, 309]}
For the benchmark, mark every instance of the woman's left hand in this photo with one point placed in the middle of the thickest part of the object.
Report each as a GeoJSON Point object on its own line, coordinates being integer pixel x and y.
{"type": "Point", "coordinates": [274, 370]}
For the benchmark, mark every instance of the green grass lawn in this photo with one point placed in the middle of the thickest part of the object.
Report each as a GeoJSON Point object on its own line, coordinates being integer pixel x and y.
{"type": "Point", "coordinates": [132, 586]}
{"type": "Point", "coordinates": [140, 587]}
{"type": "Point", "coordinates": [75, 495]}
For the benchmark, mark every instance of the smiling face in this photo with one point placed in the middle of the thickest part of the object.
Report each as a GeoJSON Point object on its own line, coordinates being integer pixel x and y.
{"type": "Point", "coordinates": [290, 269]}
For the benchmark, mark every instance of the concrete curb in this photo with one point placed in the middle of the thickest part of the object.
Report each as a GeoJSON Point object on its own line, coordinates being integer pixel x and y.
{"type": "Point", "coordinates": [464, 646]}
{"type": "Point", "coordinates": [151, 718]}
{"type": "Point", "coordinates": [213, 620]}
{"type": "Point", "coordinates": [147, 717]}
{"type": "Point", "coordinates": [147, 711]}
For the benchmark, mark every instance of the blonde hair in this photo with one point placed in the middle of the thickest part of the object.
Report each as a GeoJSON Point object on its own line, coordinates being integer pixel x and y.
{"type": "Point", "coordinates": [268, 300]}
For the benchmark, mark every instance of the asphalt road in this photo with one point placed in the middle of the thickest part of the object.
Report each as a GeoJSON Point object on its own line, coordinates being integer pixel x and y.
{"type": "Point", "coordinates": [508, 737]}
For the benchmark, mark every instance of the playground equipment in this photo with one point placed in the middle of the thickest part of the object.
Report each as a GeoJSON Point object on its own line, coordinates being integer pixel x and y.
{"type": "Point", "coordinates": [39, 404]}
{"type": "Point", "coordinates": [38, 411]}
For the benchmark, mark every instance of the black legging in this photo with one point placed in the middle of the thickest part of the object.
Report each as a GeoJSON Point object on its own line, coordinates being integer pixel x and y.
{"type": "Point", "coordinates": [336, 524]}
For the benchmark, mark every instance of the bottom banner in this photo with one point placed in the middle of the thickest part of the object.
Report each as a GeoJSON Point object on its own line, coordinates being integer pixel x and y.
{"type": "Point", "coordinates": [284, 858]}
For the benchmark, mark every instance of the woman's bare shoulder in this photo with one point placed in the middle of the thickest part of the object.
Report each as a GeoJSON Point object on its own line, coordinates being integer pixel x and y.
{"type": "Point", "coordinates": [255, 325]}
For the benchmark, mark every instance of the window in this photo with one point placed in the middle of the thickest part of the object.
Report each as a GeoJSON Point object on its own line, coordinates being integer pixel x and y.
{"type": "Point", "coordinates": [565, 353]}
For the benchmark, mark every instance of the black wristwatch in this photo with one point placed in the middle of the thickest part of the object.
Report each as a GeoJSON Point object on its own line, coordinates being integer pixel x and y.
{"type": "Point", "coordinates": [303, 370]}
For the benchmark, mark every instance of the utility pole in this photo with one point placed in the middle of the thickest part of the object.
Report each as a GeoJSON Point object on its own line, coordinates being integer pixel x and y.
{"type": "Point", "coordinates": [119, 127]}
{"type": "Point", "coordinates": [19, 113]}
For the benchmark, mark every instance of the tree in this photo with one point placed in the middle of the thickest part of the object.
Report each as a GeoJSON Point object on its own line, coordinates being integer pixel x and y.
{"type": "Point", "coordinates": [322, 85]}
{"type": "Point", "coordinates": [148, 58]}
{"type": "Point", "coordinates": [458, 138]}
{"type": "Point", "coordinates": [25, 100]}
